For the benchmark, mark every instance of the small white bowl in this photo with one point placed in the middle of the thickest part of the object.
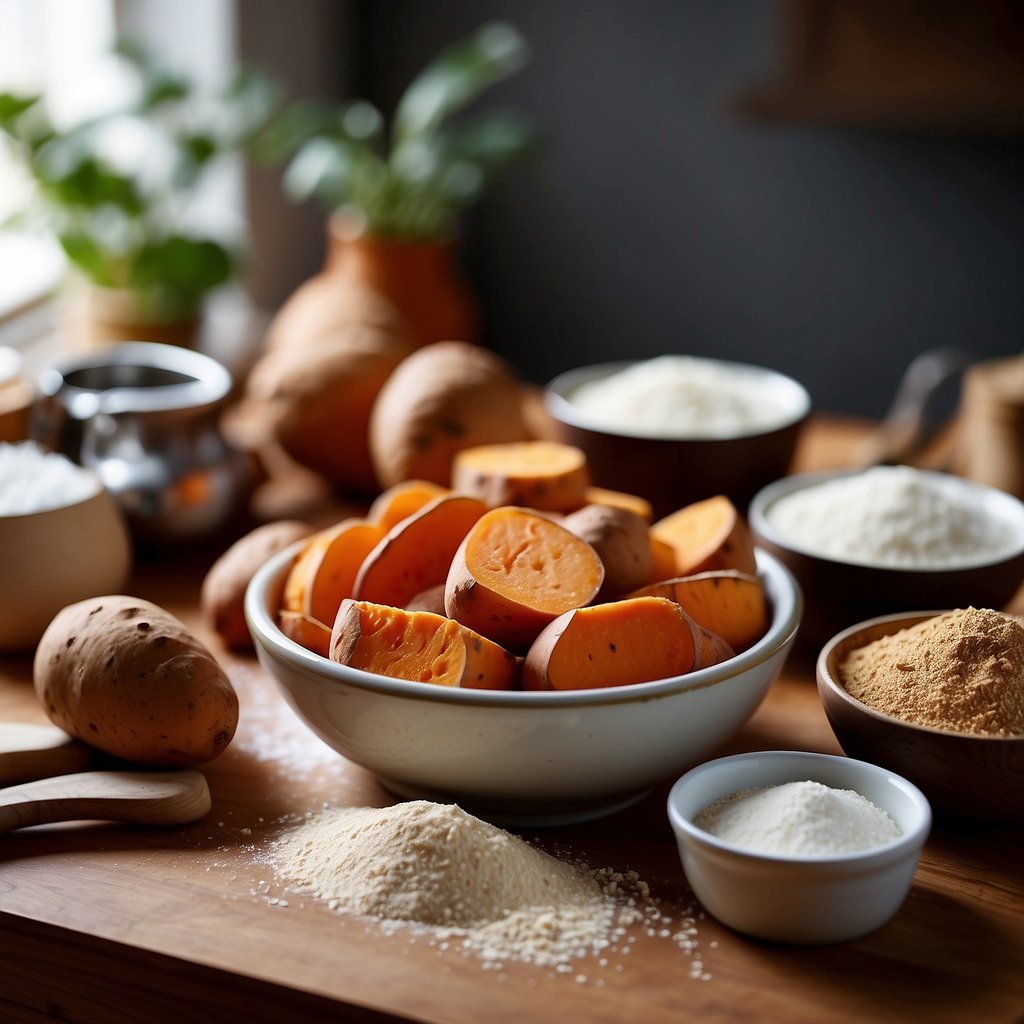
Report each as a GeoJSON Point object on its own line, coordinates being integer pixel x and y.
{"type": "Point", "coordinates": [523, 758]}
{"type": "Point", "coordinates": [789, 898]}
{"type": "Point", "coordinates": [55, 557]}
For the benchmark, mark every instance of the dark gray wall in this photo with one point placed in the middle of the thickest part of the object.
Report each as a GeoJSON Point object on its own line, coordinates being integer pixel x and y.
{"type": "Point", "coordinates": [659, 222]}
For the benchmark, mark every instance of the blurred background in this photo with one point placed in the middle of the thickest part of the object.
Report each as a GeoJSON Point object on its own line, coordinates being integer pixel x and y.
{"type": "Point", "coordinates": [825, 188]}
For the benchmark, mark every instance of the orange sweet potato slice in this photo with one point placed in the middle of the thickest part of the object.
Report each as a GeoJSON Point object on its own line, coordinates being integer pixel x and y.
{"type": "Point", "coordinates": [636, 640]}
{"type": "Point", "coordinates": [620, 499]}
{"type": "Point", "coordinates": [663, 559]}
{"type": "Point", "coordinates": [418, 646]}
{"type": "Point", "coordinates": [416, 553]}
{"type": "Point", "coordinates": [707, 535]}
{"type": "Point", "coordinates": [543, 475]}
{"type": "Point", "coordinates": [429, 600]}
{"type": "Point", "coordinates": [306, 632]}
{"type": "Point", "coordinates": [515, 572]}
{"type": "Point", "coordinates": [324, 574]}
{"type": "Point", "coordinates": [730, 603]}
{"type": "Point", "coordinates": [399, 502]}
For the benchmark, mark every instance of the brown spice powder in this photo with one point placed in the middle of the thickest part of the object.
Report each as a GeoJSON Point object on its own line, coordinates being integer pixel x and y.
{"type": "Point", "coordinates": [962, 671]}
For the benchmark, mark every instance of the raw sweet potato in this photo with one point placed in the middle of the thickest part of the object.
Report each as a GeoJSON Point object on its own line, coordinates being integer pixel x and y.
{"type": "Point", "coordinates": [706, 535]}
{"type": "Point", "coordinates": [445, 397]}
{"type": "Point", "coordinates": [620, 499]}
{"type": "Point", "coordinates": [401, 501]}
{"type": "Point", "coordinates": [731, 604]}
{"type": "Point", "coordinates": [127, 677]}
{"type": "Point", "coordinates": [306, 632]}
{"type": "Point", "coordinates": [429, 600]}
{"type": "Point", "coordinates": [663, 559]}
{"type": "Point", "coordinates": [222, 596]}
{"type": "Point", "coordinates": [620, 538]}
{"type": "Point", "coordinates": [542, 475]}
{"type": "Point", "coordinates": [325, 572]}
{"type": "Point", "coordinates": [621, 642]}
{"type": "Point", "coordinates": [417, 553]}
{"type": "Point", "coordinates": [418, 646]}
{"type": "Point", "coordinates": [515, 572]}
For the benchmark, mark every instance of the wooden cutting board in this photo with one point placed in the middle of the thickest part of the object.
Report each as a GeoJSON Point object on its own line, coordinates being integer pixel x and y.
{"type": "Point", "coordinates": [102, 923]}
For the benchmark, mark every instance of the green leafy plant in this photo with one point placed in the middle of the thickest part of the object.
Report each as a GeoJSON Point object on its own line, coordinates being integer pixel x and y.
{"type": "Point", "coordinates": [121, 212]}
{"type": "Point", "coordinates": [412, 182]}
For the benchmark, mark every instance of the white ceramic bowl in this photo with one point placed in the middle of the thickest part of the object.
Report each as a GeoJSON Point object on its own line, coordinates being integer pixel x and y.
{"type": "Point", "coordinates": [798, 899]}
{"type": "Point", "coordinates": [56, 557]}
{"type": "Point", "coordinates": [522, 757]}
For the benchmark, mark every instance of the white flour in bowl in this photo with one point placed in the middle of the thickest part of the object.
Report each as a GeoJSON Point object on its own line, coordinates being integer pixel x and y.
{"type": "Point", "coordinates": [33, 480]}
{"type": "Point", "coordinates": [893, 516]}
{"type": "Point", "coordinates": [682, 397]}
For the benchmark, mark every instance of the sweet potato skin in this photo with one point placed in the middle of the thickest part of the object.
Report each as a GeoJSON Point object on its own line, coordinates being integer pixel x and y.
{"type": "Point", "coordinates": [620, 538]}
{"type": "Point", "coordinates": [127, 677]}
{"type": "Point", "coordinates": [446, 396]}
{"type": "Point", "coordinates": [306, 632]}
{"type": "Point", "coordinates": [222, 595]}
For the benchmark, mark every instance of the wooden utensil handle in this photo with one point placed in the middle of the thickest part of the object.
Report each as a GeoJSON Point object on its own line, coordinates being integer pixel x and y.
{"type": "Point", "coordinates": [150, 798]}
{"type": "Point", "coordinates": [29, 751]}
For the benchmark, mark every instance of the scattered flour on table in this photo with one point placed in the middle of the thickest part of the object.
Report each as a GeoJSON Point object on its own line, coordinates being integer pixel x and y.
{"type": "Point", "coordinates": [894, 516]}
{"type": "Point", "coordinates": [801, 818]}
{"type": "Point", "coordinates": [471, 887]}
{"type": "Point", "coordinates": [35, 480]}
{"type": "Point", "coordinates": [681, 396]}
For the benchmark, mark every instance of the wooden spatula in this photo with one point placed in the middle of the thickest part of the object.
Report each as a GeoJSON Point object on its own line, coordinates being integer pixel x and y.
{"type": "Point", "coordinates": [30, 751]}
{"type": "Point", "coordinates": [148, 798]}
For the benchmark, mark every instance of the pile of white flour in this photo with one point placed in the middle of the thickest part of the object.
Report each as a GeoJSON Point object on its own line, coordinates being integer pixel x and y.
{"type": "Point", "coordinates": [892, 516]}
{"type": "Point", "coordinates": [681, 396]}
{"type": "Point", "coordinates": [802, 818]}
{"type": "Point", "coordinates": [434, 866]}
{"type": "Point", "coordinates": [34, 480]}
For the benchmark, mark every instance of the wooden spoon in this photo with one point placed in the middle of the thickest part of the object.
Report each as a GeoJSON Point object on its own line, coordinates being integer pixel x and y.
{"type": "Point", "coordinates": [148, 798]}
{"type": "Point", "coordinates": [30, 751]}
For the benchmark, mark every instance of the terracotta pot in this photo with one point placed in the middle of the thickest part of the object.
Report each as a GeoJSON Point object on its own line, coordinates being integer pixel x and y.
{"type": "Point", "coordinates": [96, 318]}
{"type": "Point", "coordinates": [421, 279]}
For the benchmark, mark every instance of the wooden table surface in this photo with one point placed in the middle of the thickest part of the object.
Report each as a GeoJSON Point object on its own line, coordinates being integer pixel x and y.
{"type": "Point", "coordinates": [104, 923]}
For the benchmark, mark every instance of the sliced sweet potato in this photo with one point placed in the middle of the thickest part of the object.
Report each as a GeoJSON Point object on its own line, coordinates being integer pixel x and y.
{"type": "Point", "coordinates": [419, 646]}
{"type": "Point", "coordinates": [636, 640]}
{"type": "Point", "coordinates": [325, 571]}
{"type": "Point", "coordinates": [517, 570]}
{"type": "Point", "coordinates": [417, 553]}
{"type": "Point", "coordinates": [543, 475]}
{"type": "Point", "coordinates": [663, 559]}
{"type": "Point", "coordinates": [306, 632]}
{"type": "Point", "coordinates": [707, 535]}
{"type": "Point", "coordinates": [620, 499]}
{"type": "Point", "coordinates": [620, 538]}
{"type": "Point", "coordinates": [730, 603]}
{"type": "Point", "coordinates": [429, 600]}
{"type": "Point", "coordinates": [401, 501]}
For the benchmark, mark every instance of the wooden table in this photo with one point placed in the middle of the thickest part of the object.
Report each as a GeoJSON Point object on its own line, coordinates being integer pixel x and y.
{"type": "Point", "coordinates": [102, 923]}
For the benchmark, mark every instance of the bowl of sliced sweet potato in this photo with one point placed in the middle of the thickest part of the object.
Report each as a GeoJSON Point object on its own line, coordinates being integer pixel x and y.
{"type": "Point", "coordinates": [529, 646]}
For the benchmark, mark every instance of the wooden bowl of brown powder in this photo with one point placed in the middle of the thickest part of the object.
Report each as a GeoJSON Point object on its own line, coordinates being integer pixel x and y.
{"type": "Point", "coordinates": [937, 697]}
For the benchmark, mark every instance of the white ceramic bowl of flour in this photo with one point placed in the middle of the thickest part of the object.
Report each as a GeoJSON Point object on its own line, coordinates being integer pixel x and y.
{"type": "Point", "coordinates": [868, 542]}
{"type": "Point", "coordinates": [802, 896]}
{"type": "Point", "coordinates": [514, 756]}
{"type": "Point", "coordinates": [62, 540]}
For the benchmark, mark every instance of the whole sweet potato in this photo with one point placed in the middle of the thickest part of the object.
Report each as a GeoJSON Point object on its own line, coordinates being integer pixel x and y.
{"type": "Point", "coordinates": [222, 596]}
{"type": "Point", "coordinates": [127, 677]}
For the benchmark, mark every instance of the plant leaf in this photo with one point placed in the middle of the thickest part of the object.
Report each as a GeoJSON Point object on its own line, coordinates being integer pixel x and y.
{"type": "Point", "coordinates": [12, 106]}
{"type": "Point", "coordinates": [90, 257]}
{"type": "Point", "coordinates": [456, 77]}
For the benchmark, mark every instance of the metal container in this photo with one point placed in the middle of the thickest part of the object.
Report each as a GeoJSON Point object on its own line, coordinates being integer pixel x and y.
{"type": "Point", "coordinates": [145, 417]}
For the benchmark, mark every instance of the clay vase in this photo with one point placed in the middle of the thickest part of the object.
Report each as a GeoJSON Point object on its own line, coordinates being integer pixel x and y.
{"type": "Point", "coordinates": [421, 280]}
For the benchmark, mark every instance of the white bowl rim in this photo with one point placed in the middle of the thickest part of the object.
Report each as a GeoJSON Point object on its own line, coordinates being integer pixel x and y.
{"type": "Point", "coordinates": [560, 406]}
{"type": "Point", "coordinates": [758, 514]}
{"type": "Point", "coordinates": [911, 839]}
{"type": "Point", "coordinates": [786, 616]}
{"type": "Point", "coordinates": [825, 678]}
